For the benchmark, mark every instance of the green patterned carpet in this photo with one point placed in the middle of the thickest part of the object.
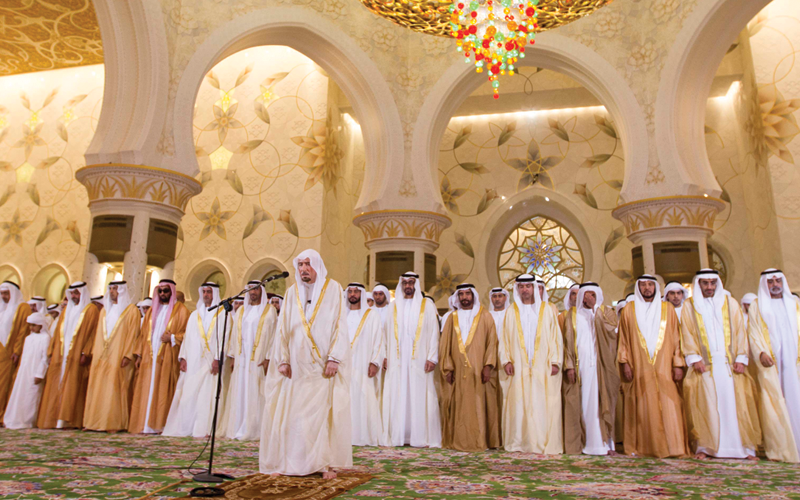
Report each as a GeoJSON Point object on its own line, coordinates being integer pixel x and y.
{"type": "Point", "coordinates": [66, 464]}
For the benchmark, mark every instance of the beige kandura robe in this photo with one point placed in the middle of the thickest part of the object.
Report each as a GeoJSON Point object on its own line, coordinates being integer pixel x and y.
{"type": "Point", "coordinates": [605, 326]}
{"type": "Point", "coordinates": [16, 340]}
{"type": "Point", "coordinates": [107, 396]}
{"type": "Point", "coordinates": [471, 419]}
{"type": "Point", "coordinates": [776, 424]}
{"type": "Point", "coordinates": [166, 376]}
{"type": "Point", "coordinates": [699, 390]}
{"type": "Point", "coordinates": [64, 397]}
{"type": "Point", "coordinates": [532, 397]}
{"type": "Point", "coordinates": [654, 421]}
{"type": "Point", "coordinates": [307, 426]}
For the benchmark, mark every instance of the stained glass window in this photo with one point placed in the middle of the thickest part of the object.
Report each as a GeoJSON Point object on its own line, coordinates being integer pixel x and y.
{"type": "Point", "coordinates": [546, 249]}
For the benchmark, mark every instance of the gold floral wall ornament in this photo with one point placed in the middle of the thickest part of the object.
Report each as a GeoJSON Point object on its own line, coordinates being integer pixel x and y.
{"type": "Point", "coordinates": [37, 35]}
{"type": "Point", "coordinates": [214, 220]}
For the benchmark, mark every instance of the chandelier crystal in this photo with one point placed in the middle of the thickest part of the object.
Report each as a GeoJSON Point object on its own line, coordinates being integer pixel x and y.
{"type": "Point", "coordinates": [491, 34]}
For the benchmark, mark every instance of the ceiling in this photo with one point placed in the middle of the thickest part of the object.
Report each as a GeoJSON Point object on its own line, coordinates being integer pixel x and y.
{"type": "Point", "coordinates": [40, 35]}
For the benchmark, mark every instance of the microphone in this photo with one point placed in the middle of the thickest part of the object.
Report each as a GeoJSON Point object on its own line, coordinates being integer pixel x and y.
{"type": "Point", "coordinates": [284, 274]}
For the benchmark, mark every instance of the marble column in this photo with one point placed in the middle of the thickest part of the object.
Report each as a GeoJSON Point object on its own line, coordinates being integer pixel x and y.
{"type": "Point", "coordinates": [669, 219]}
{"type": "Point", "coordinates": [404, 231]}
{"type": "Point", "coordinates": [144, 193]}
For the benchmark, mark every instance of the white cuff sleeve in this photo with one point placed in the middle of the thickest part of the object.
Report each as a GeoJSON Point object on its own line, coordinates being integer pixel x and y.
{"type": "Point", "coordinates": [331, 358]}
{"type": "Point", "coordinates": [692, 359]}
{"type": "Point", "coordinates": [743, 359]}
{"type": "Point", "coordinates": [172, 339]}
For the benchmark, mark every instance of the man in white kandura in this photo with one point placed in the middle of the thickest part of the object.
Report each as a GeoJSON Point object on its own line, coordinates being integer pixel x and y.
{"type": "Point", "coordinates": [249, 354]}
{"type": "Point", "coordinates": [746, 301]}
{"type": "Point", "coordinates": [531, 353]}
{"type": "Point", "coordinates": [591, 376]}
{"type": "Point", "coordinates": [410, 403]}
{"type": "Point", "coordinates": [773, 332]}
{"type": "Point", "coordinates": [366, 341]}
{"type": "Point", "coordinates": [192, 407]}
{"type": "Point", "coordinates": [719, 393]}
{"type": "Point", "coordinates": [500, 299]}
{"type": "Point", "coordinates": [277, 303]}
{"type": "Point", "coordinates": [307, 426]}
{"type": "Point", "coordinates": [675, 294]}
{"type": "Point", "coordinates": [23, 406]}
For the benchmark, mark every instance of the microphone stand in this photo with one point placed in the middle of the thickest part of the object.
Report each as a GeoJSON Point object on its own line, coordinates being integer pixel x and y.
{"type": "Point", "coordinates": [209, 476]}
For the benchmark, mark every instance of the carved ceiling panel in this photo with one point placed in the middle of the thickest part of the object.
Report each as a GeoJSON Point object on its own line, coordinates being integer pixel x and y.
{"type": "Point", "coordinates": [39, 35]}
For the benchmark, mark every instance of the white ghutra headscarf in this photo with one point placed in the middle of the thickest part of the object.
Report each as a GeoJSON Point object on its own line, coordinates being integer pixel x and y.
{"type": "Point", "coordinates": [648, 314]}
{"type": "Point", "coordinates": [310, 299]}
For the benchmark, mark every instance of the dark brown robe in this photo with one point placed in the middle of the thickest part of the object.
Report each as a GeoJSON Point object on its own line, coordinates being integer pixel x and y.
{"type": "Point", "coordinates": [471, 417]}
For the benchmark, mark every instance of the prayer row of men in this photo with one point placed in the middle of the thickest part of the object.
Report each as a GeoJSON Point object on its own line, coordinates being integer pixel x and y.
{"type": "Point", "coordinates": [659, 377]}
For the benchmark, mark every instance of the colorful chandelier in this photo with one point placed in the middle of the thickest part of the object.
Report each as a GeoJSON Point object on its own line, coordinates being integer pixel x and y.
{"type": "Point", "coordinates": [491, 34]}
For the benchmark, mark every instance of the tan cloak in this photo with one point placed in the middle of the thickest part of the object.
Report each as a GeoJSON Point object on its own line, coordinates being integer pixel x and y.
{"type": "Point", "coordinates": [65, 398]}
{"type": "Point", "coordinates": [471, 419]}
{"type": "Point", "coordinates": [605, 324]}
{"type": "Point", "coordinates": [16, 339]}
{"type": "Point", "coordinates": [167, 371]}
{"type": "Point", "coordinates": [699, 390]}
{"type": "Point", "coordinates": [779, 441]}
{"type": "Point", "coordinates": [654, 421]}
{"type": "Point", "coordinates": [107, 396]}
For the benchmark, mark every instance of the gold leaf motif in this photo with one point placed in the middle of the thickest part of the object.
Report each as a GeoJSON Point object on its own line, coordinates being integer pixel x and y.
{"type": "Point", "coordinates": [33, 192]}
{"type": "Point", "coordinates": [464, 244]}
{"type": "Point", "coordinates": [288, 222]}
{"type": "Point", "coordinates": [243, 75]}
{"type": "Point", "coordinates": [49, 226]}
{"type": "Point", "coordinates": [233, 179]}
{"type": "Point", "coordinates": [74, 233]}
{"type": "Point", "coordinates": [259, 216]}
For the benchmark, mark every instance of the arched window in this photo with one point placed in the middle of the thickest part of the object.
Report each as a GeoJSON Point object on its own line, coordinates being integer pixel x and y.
{"type": "Point", "coordinates": [51, 283]}
{"type": "Point", "coordinates": [545, 248]}
{"type": "Point", "coordinates": [8, 273]}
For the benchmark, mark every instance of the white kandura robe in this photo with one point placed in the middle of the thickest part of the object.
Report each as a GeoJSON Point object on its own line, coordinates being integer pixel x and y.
{"type": "Point", "coordinates": [410, 401]}
{"type": "Point", "coordinates": [245, 400]}
{"type": "Point", "coordinates": [784, 346]}
{"type": "Point", "coordinates": [532, 396]}
{"type": "Point", "coordinates": [23, 405]}
{"type": "Point", "coordinates": [586, 342]}
{"type": "Point", "coordinates": [367, 349]}
{"type": "Point", "coordinates": [730, 439]}
{"type": "Point", "coordinates": [192, 408]}
{"type": "Point", "coordinates": [306, 424]}
{"type": "Point", "coordinates": [499, 317]}
{"type": "Point", "coordinates": [155, 343]}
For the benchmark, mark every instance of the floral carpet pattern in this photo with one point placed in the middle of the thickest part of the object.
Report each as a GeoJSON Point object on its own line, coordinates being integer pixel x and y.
{"type": "Point", "coordinates": [69, 464]}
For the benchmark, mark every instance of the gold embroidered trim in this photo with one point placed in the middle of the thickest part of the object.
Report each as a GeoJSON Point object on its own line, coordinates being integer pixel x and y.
{"type": "Point", "coordinates": [461, 346]}
{"type": "Point", "coordinates": [661, 330]}
{"type": "Point", "coordinates": [308, 324]}
{"type": "Point", "coordinates": [360, 326]}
